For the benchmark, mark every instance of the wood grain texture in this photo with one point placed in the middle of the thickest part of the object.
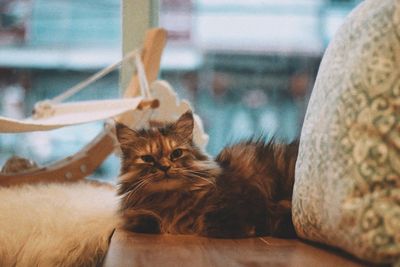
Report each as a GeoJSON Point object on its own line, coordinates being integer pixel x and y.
{"type": "Point", "coordinates": [130, 249]}
{"type": "Point", "coordinates": [151, 53]}
{"type": "Point", "coordinates": [70, 169]}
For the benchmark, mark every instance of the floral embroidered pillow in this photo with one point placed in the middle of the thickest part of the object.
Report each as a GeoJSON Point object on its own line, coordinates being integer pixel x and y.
{"type": "Point", "coordinates": [347, 189]}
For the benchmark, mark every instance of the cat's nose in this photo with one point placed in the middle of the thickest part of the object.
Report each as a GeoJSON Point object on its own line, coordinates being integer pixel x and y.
{"type": "Point", "coordinates": [164, 168]}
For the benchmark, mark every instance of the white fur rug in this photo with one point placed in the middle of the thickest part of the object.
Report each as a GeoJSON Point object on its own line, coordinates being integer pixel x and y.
{"type": "Point", "coordinates": [56, 224]}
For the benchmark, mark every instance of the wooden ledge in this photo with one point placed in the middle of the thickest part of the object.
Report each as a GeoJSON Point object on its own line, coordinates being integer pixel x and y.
{"type": "Point", "coordinates": [130, 249]}
{"type": "Point", "coordinates": [70, 169]}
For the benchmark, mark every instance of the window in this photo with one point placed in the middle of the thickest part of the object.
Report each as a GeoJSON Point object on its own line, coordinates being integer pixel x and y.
{"type": "Point", "coordinates": [248, 67]}
{"type": "Point", "coordinates": [45, 48]}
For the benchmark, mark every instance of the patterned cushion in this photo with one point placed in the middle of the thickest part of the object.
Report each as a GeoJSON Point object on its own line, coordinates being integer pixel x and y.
{"type": "Point", "coordinates": [347, 189]}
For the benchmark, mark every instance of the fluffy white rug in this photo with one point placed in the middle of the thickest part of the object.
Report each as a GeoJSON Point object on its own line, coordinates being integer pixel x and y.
{"type": "Point", "coordinates": [56, 224]}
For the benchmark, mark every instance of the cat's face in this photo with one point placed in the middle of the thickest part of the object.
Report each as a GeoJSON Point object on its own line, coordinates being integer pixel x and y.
{"type": "Point", "coordinates": [163, 158]}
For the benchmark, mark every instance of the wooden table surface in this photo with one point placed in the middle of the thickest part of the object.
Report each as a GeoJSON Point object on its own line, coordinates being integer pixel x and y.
{"type": "Point", "coordinates": [130, 249]}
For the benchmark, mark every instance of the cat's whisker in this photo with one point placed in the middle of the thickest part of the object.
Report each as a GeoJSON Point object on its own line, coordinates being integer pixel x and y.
{"type": "Point", "coordinates": [143, 182]}
{"type": "Point", "coordinates": [132, 193]}
{"type": "Point", "coordinates": [202, 173]}
{"type": "Point", "coordinates": [195, 174]}
{"type": "Point", "coordinates": [135, 184]}
{"type": "Point", "coordinates": [141, 186]}
{"type": "Point", "coordinates": [208, 181]}
{"type": "Point", "coordinates": [131, 196]}
{"type": "Point", "coordinates": [132, 185]}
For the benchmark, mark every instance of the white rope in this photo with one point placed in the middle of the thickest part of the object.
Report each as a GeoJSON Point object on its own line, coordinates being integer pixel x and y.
{"type": "Point", "coordinates": [100, 74]}
{"type": "Point", "coordinates": [144, 85]}
{"type": "Point", "coordinates": [45, 108]}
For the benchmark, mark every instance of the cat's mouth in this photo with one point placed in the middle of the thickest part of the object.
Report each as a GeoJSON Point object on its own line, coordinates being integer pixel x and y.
{"type": "Point", "coordinates": [163, 177]}
{"type": "Point", "coordinates": [165, 184]}
{"type": "Point", "coordinates": [167, 175]}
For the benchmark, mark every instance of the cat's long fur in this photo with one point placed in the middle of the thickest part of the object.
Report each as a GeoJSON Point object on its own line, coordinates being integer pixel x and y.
{"type": "Point", "coordinates": [168, 185]}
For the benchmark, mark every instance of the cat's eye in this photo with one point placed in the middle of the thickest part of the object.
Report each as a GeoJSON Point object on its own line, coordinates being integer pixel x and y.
{"type": "Point", "coordinates": [147, 158]}
{"type": "Point", "coordinates": [176, 153]}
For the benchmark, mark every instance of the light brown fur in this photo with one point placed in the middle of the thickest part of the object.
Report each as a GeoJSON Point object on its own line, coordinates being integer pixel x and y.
{"type": "Point", "coordinates": [168, 185]}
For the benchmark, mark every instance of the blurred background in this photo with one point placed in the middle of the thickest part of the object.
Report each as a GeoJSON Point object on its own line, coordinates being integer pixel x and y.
{"type": "Point", "coordinates": [247, 66]}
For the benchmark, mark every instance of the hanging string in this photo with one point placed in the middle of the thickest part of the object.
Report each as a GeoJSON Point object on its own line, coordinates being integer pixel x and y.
{"type": "Point", "coordinates": [143, 83]}
{"type": "Point", "coordinates": [45, 108]}
{"type": "Point", "coordinates": [98, 75]}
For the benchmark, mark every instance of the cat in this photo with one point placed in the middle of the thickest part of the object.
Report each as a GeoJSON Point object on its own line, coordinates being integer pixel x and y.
{"type": "Point", "coordinates": [168, 185]}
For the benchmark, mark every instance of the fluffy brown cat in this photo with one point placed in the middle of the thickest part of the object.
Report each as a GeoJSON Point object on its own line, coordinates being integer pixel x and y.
{"type": "Point", "coordinates": [168, 185]}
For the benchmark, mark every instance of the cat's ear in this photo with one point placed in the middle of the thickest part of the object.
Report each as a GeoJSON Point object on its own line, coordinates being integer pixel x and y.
{"type": "Point", "coordinates": [125, 135]}
{"type": "Point", "coordinates": [183, 127]}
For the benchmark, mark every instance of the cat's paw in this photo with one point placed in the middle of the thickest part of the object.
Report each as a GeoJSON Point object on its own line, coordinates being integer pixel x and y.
{"type": "Point", "coordinates": [142, 222]}
{"type": "Point", "coordinates": [218, 225]}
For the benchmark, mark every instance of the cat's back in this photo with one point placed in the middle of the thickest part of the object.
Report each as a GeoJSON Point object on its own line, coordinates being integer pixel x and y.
{"type": "Point", "coordinates": [239, 157]}
{"type": "Point", "coordinates": [251, 156]}
{"type": "Point", "coordinates": [269, 165]}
